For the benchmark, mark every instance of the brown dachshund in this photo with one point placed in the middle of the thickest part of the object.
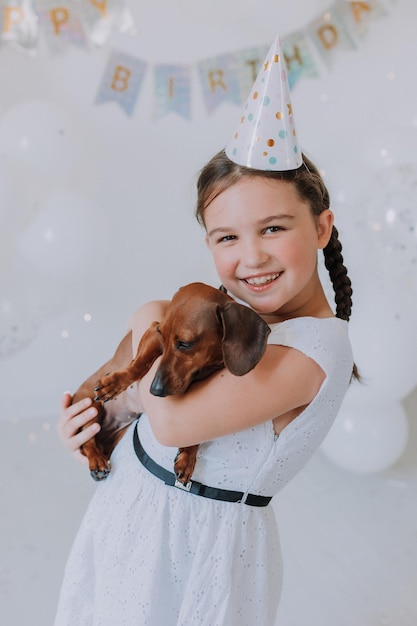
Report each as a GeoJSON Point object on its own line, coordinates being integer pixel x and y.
{"type": "Point", "coordinates": [203, 330]}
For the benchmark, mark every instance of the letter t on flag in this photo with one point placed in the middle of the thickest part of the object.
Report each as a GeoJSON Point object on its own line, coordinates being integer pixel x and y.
{"type": "Point", "coordinates": [121, 81]}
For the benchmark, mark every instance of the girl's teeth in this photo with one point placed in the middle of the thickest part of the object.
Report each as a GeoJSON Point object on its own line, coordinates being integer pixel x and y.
{"type": "Point", "coordinates": [262, 280]}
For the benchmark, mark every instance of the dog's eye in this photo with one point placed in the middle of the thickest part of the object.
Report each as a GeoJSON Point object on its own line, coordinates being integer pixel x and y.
{"type": "Point", "coordinates": [184, 345]}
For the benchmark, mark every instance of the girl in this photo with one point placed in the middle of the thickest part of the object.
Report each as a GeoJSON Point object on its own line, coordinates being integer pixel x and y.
{"type": "Point", "coordinates": [155, 555]}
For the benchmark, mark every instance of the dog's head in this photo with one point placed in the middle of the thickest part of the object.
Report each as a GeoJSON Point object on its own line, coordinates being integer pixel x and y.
{"type": "Point", "coordinates": [205, 330]}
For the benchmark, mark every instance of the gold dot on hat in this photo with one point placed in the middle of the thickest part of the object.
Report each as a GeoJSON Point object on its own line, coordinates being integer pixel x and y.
{"type": "Point", "coordinates": [264, 153]}
{"type": "Point", "coordinates": [279, 115]}
{"type": "Point", "coordinates": [276, 58]}
{"type": "Point", "coordinates": [266, 65]}
{"type": "Point", "coordinates": [242, 119]}
{"type": "Point", "coordinates": [270, 142]}
{"type": "Point", "coordinates": [255, 95]}
{"type": "Point", "coordinates": [289, 109]}
{"type": "Point", "coordinates": [236, 135]}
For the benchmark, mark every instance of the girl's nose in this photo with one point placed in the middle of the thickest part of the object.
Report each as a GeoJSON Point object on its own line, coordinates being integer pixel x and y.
{"type": "Point", "coordinates": [254, 255]}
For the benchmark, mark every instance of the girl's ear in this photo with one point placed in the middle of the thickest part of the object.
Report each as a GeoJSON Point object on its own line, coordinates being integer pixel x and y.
{"type": "Point", "coordinates": [324, 228]}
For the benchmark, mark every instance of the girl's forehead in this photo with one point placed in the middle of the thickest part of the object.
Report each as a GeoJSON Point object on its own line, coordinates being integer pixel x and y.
{"type": "Point", "coordinates": [255, 197]}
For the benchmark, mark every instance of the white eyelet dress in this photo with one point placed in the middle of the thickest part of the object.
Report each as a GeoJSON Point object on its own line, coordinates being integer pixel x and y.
{"type": "Point", "coordinates": [147, 554]}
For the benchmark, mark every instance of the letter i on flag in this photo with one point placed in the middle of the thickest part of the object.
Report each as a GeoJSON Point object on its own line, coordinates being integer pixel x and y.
{"type": "Point", "coordinates": [172, 90]}
{"type": "Point", "coordinates": [122, 80]}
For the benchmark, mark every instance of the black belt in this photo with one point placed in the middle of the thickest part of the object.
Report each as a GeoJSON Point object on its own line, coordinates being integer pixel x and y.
{"type": "Point", "coordinates": [193, 486]}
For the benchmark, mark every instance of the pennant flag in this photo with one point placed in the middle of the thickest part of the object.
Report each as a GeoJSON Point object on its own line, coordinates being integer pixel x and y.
{"type": "Point", "coordinates": [358, 15]}
{"type": "Point", "coordinates": [219, 81]}
{"type": "Point", "coordinates": [172, 90]}
{"type": "Point", "coordinates": [19, 24]}
{"type": "Point", "coordinates": [121, 81]}
{"type": "Point", "coordinates": [61, 23]}
{"type": "Point", "coordinates": [248, 64]}
{"type": "Point", "coordinates": [102, 18]}
{"type": "Point", "coordinates": [298, 59]}
{"type": "Point", "coordinates": [329, 33]}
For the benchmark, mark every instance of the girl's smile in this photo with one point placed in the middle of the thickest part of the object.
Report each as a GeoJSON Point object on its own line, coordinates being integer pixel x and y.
{"type": "Point", "coordinates": [264, 241]}
{"type": "Point", "coordinates": [259, 282]}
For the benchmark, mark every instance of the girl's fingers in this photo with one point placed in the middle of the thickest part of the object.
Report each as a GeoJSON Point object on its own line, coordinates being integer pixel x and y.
{"type": "Point", "coordinates": [69, 411]}
{"type": "Point", "coordinates": [72, 419]}
{"type": "Point", "coordinates": [77, 440]}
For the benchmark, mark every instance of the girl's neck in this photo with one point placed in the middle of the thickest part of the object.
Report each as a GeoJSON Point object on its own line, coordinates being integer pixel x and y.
{"type": "Point", "coordinates": [315, 306]}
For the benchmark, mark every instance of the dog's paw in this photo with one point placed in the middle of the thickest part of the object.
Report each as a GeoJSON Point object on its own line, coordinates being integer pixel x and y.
{"type": "Point", "coordinates": [100, 471]}
{"type": "Point", "coordinates": [98, 475]}
{"type": "Point", "coordinates": [109, 387]}
{"type": "Point", "coordinates": [183, 466]}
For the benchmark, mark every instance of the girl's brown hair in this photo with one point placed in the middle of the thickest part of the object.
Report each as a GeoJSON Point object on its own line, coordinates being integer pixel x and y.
{"type": "Point", "coordinates": [220, 173]}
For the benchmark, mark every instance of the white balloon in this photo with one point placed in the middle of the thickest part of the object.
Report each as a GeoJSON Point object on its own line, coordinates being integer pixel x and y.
{"type": "Point", "coordinates": [383, 332]}
{"type": "Point", "coordinates": [21, 313]}
{"type": "Point", "coordinates": [67, 237]}
{"type": "Point", "coordinates": [385, 225]}
{"type": "Point", "coordinates": [21, 191]}
{"type": "Point", "coordinates": [367, 438]}
{"type": "Point", "coordinates": [42, 134]}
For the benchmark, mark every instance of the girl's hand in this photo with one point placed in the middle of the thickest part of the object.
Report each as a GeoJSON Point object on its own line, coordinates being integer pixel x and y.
{"type": "Point", "coordinates": [71, 419]}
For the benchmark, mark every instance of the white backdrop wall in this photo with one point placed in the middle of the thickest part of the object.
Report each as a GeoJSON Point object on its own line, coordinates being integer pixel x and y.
{"type": "Point", "coordinates": [117, 192]}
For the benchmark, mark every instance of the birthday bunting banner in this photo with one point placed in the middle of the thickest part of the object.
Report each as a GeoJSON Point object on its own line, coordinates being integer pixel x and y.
{"type": "Point", "coordinates": [229, 77]}
{"type": "Point", "coordinates": [83, 23]}
{"type": "Point", "coordinates": [224, 78]}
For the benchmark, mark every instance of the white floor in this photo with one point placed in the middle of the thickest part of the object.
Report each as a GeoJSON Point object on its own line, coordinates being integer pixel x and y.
{"type": "Point", "coordinates": [349, 542]}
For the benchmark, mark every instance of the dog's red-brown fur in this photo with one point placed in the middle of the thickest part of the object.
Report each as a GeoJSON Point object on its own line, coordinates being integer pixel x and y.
{"type": "Point", "coordinates": [203, 330]}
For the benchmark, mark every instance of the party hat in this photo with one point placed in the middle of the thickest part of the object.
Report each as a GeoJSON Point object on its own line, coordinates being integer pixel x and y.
{"type": "Point", "coordinates": [266, 138]}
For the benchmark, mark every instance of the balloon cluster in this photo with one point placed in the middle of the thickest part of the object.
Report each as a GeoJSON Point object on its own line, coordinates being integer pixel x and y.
{"type": "Point", "coordinates": [371, 431]}
{"type": "Point", "coordinates": [47, 224]}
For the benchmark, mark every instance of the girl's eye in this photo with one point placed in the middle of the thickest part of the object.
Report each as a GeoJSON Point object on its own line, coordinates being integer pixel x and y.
{"type": "Point", "coordinates": [273, 229]}
{"type": "Point", "coordinates": [227, 238]}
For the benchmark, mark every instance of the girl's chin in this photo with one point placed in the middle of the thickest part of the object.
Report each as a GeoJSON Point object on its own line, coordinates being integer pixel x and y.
{"type": "Point", "coordinates": [264, 308]}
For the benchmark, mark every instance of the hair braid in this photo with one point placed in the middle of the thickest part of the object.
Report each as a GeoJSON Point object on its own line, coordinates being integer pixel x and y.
{"type": "Point", "coordinates": [342, 286]}
{"type": "Point", "coordinates": [333, 260]}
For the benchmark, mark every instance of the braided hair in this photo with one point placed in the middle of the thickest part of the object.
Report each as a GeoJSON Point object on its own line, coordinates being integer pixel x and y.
{"type": "Point", "coordinates": [220, 173]}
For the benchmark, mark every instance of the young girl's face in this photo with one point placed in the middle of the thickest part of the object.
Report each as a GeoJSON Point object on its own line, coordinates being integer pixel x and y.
{"type": "Point", "coordinates": [264, 241]}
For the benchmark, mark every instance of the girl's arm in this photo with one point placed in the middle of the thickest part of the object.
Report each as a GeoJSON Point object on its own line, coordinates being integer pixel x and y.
{"type": "Point", "coordinates": [73, 417]}
{"type": "Point", "coordinates": [284, 381]}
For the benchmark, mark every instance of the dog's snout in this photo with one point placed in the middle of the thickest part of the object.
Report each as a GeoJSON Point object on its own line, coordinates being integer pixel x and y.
{"type": "Point", "coordinates": [158, 388]}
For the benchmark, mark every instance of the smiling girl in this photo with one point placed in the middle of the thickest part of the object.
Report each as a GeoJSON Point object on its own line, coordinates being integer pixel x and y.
{"type": "Point", "coordinates": [151, 554]}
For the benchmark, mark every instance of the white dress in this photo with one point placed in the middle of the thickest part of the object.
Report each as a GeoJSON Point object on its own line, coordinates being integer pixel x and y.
{"type": "Point", "coordinates": [147, 554]}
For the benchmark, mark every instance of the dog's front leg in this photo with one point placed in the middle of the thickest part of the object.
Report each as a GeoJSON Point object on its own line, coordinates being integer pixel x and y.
{"type": "Point", "coordinates": [98, 460]}
{"type": "Point", "coordinates": [114, 383]}
{"type": "Point", "coordinates": [185, 463]}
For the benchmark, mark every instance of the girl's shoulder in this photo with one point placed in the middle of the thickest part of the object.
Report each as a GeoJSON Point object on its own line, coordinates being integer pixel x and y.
{"type": "Point", "coordinates": [143, 317]}
{"type": "Point", "coordinates": [150, 311]}
{"type": "Point", "coordinates": [325, 340]}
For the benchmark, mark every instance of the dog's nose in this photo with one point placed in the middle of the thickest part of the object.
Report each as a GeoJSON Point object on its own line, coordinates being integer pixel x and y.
{"type": "Point", "coordinates": [157, 387]}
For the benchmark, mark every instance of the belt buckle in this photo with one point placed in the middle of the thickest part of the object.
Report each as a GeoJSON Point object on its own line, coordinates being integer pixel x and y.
{"type": "Point", "coordinates": [181, 485]}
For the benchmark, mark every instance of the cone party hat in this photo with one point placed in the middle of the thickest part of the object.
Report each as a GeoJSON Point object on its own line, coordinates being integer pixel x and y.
{"type": "Point", "coordinates": [266, 138]}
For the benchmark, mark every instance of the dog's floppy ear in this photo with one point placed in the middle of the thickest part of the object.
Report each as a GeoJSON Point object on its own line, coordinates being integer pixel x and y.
{"type": "Point", "coordinates": [149, 348]}
{"type": "Point", "coordinates": [244, 337]}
